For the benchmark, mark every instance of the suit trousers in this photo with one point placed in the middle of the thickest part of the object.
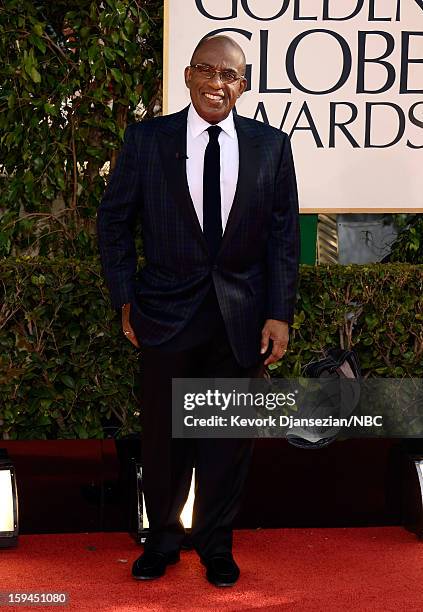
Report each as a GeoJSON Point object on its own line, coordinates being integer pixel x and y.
{"type": "Point", "coordinates": [221, 465]}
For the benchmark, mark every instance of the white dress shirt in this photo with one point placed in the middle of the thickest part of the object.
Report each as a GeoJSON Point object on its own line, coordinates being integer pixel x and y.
{"type": "Point", "coordinates": [197, 139]}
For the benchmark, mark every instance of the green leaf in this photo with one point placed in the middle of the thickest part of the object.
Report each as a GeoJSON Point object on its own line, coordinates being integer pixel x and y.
{"type": "Point", "coordinates": [68, 381]}
{"type": "Point", "coordinates": [81, 431]}
{"type": "Point", "coordinates": [11, 100]}
{"type": "Point", "coordinates": [50, 109]}
{"type": "Point", "coordinates": [84, 32]}
{"type": "Point", "coordinates": [116, 74]}
{"type": "Point", "coordinates": [74, 330]}
{"type": "Point", "coordinates": [38, 42]}
{"type": "Point", "coordinates": [109, 54]}
{"type": "Point", "coordinates": [38, 280]}
{"type": "Point", "coordinates": [38, 29]}
{"type": "Point", "coordinates": [60, 181]}
{"type": "Point", "coordinates": [35, 75]}
{"type": "Point", "coordinates": [93, 52]}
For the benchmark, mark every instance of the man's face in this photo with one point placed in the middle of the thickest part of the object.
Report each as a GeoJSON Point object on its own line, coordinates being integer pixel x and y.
{"type": "Point", "coordinates": [213, 99]}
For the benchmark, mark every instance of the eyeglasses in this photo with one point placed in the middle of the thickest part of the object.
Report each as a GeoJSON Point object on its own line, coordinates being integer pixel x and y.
{"type": "Point", "coordinates": [226, 76]}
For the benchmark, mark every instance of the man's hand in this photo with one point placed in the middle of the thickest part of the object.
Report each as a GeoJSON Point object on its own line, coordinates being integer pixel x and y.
{"type": "Point", "coordinates": [127, 329]}
{"type": "Point", "coordinates": [278, 332]}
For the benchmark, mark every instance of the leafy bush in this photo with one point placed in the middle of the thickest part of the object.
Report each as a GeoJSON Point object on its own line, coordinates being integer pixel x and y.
{"type": "Point", "coordinates": [408, 247]}
{"type": "Point", "coordinates": [66, 370]}
{"type": "Point", "coordinates": [73, 75]}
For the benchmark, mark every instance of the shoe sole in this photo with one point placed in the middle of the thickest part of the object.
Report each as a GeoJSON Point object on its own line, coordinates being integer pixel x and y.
{"type": "Point", "coordinates": [222, 584]}
{"type": "Point", "coordinates": [147, 577]}
{"type": "Point", "coordinates": [174, 562]}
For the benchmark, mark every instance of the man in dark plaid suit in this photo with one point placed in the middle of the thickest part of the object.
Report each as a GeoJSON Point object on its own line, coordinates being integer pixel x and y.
{"type": "Point", "coordinates": [218, 212]}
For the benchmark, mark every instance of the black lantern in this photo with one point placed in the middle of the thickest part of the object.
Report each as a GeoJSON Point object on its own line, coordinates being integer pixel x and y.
{"type": "Point", "coordinates": [8, 502]}
{"type": "Point", "coordinates": [141, 519]}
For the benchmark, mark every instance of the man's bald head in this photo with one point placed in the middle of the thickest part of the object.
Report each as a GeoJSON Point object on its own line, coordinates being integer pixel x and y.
{"type": "Point", "coordinates": [219, 41]}
{"type": "Point", "coordinates": [215, 77]}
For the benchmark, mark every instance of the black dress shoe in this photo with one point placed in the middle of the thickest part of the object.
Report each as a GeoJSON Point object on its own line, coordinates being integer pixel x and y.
{"type": "Point", "coordinates": [152, 564]}
{"type": "Point", "coordinates": [221, 570]}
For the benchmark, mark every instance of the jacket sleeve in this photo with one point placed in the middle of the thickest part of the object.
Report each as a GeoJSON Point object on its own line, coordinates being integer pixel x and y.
{"type": "Point", "coordinates": [283, 251]}
{"type": "Point", "coordinates": [116, 223]}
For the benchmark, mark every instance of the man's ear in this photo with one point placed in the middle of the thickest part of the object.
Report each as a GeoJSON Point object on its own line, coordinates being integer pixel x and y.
{"type": "Point", "coordinates": [187, 75]}
{"type": "Point", "coordinates": [242, 87]}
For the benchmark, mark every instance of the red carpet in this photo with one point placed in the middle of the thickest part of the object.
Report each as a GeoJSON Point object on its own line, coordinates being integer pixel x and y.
{"type": "Point", "coordinates": [281, 569]}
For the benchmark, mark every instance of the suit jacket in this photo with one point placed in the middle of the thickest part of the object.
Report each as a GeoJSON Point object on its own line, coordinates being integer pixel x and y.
{"type": "Point", "coordinates": [255, 271]}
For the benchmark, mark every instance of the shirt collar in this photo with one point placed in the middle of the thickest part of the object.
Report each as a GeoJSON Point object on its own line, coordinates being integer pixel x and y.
{"type": "Point", "coordinates": [197, 125]}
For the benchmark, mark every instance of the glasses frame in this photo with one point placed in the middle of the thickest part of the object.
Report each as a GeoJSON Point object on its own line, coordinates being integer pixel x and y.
{"type": "Point", "coordinates": [214, 72]}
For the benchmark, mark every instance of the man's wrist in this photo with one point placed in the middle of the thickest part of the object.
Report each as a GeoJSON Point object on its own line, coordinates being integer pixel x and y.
{"type": "Point", "coordinates": [279, 320]}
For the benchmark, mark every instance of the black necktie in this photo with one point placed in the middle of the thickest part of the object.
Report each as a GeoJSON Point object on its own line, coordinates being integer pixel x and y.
{"type": "Point", "coordinates": [212, 217]}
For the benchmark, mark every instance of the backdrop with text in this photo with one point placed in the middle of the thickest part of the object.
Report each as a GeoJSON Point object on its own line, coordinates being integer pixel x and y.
{"type": "Point", "coordinates": [343, 78]}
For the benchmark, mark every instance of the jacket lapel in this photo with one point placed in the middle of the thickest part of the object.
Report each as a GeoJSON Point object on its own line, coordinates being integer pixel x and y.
{"type": "Point", "coordinates": [249, 154]}
{"type": "Point", "coordinates": [173, 147]}
{"type": "Point", "coordinates": [172, 138]}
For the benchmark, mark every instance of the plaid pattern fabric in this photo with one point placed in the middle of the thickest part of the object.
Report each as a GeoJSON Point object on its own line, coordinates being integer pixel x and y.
{"type": "Point", "coordinates": [255, 271]}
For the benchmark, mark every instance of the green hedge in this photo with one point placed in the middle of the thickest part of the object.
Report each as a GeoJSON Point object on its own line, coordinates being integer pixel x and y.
{"type": "Point", "coordinates": [73, 75]}
{"type": "Point", "coordinates": [66, 370]}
